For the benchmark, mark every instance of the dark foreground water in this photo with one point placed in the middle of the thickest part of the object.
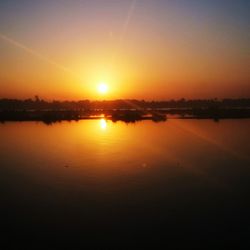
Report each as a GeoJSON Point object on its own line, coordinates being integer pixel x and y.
{"type": "Point", "coordinates": [182, 183]}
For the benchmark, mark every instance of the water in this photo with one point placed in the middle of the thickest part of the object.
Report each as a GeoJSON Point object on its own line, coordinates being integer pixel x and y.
{"type": "Point", "coordinates": [105, 182]}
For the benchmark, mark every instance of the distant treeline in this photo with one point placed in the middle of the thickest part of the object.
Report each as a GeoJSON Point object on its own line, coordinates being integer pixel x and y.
{"type": "Point", "coordinates": [39, 104]}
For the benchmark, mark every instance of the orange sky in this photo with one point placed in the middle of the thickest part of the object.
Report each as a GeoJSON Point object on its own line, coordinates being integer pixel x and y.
{"type": "Point", "coordinates": [141, 49]}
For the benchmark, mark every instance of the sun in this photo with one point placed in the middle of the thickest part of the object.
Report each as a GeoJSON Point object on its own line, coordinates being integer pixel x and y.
{"type": "Point", "coordinates": [102, 88]}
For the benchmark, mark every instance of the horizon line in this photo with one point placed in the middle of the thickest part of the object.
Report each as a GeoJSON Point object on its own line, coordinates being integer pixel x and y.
{"type": "Point", "coordinates": [121, 99]}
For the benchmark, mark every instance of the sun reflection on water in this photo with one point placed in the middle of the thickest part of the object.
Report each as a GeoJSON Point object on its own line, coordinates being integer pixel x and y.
{"type": "Point", "coordinates": [103, 124]}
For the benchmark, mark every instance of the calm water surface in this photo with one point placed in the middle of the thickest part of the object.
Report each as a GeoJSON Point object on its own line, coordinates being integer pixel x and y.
{"type": "Point", "coordinates": [183, 182]}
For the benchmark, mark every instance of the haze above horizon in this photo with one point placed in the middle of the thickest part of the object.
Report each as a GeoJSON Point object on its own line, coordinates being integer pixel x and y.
{"type": "Point", "coordinates": [131, 49]}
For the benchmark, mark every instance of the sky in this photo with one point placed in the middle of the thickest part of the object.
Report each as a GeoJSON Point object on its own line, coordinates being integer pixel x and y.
{"type": "Point", "coordinates": [142, 49]}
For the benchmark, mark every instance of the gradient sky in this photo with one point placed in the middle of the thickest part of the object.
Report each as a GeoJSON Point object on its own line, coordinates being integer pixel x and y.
{"type": "Point", "coordinates": [150, 49]}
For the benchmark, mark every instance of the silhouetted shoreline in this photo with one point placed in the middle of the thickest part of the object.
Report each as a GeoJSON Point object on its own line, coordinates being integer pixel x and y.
{"type": "Point", "coordinates": [122, 110]}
